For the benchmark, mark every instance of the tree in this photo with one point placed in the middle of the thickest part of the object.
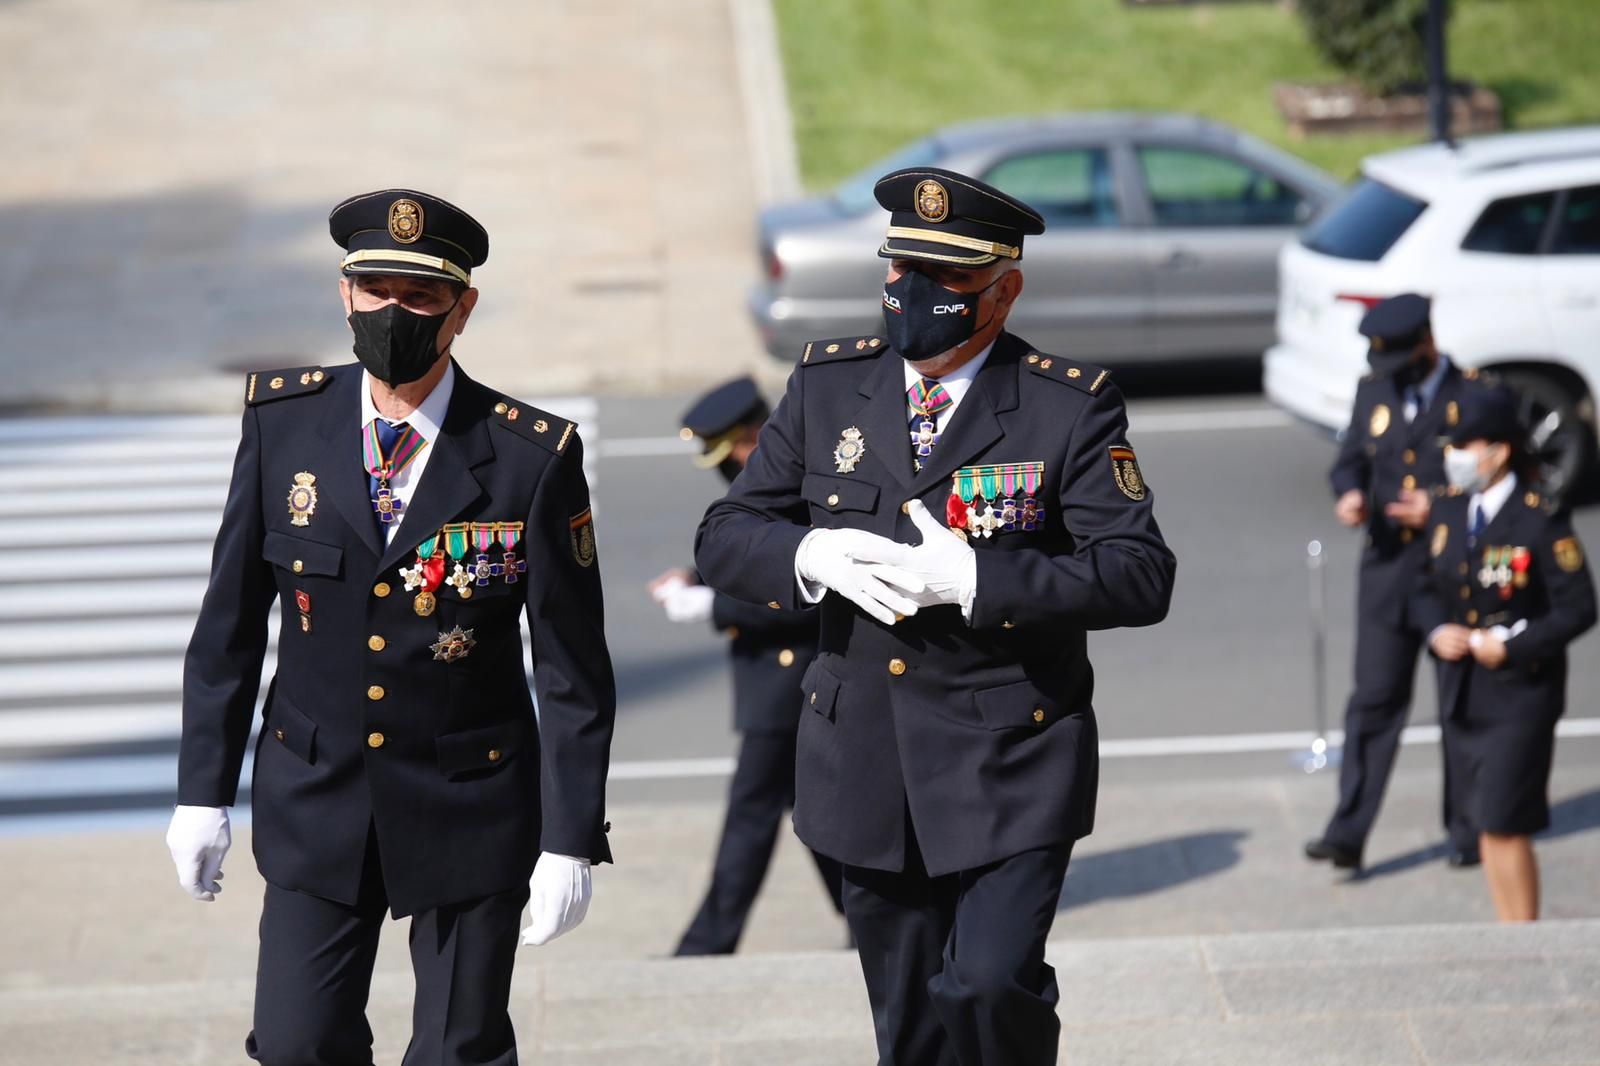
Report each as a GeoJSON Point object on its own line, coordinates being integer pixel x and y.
{"type": "Point", "coordinates": [1379, 43]}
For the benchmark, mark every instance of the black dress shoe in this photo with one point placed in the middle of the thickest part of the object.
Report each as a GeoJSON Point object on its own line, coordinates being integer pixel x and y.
{"type": "Point", "coordinates": [1326, 851]}
{"type": "Point", "coordinates": [1462, 858]}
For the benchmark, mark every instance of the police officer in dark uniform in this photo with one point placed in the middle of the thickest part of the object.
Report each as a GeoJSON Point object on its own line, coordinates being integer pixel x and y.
{"type": "Point", "coordinates": [965, 508]}
{"type": "Point", "coordinates": [1506, 591]}
{"type": "Point", "coordinates": [768, 651]}
{"type": "Point", "coordinates": [1389, 471]}
{"type": "Point", "coordinates": [404, 518]}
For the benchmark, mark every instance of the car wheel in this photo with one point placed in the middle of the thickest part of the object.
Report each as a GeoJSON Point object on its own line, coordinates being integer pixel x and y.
{"type": "Point", "coordinates": [1561, 437]}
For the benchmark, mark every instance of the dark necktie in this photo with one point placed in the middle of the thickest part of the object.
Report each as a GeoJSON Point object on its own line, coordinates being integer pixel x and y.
{"type": "Point", "coordinates": [1475, 527]}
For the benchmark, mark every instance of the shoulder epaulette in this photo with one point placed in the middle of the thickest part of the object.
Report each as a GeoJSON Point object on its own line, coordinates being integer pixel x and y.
{"type": "Point", "coordinates": [840, 348]}
{"type": "Point", "coordinates": [1079, 375]}
{"type": "Point", "coordinates": [543, 428]}
{"type": "Point", "coordinates": [261, 386]}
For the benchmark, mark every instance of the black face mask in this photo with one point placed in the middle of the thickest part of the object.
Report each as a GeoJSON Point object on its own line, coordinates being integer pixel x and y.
{"type": "Point", "coordinates": [922, 318]}
{"type": "Point", "coordinates": [395, 345]}
{"type": "Point", "coordinates": [1413, 371]}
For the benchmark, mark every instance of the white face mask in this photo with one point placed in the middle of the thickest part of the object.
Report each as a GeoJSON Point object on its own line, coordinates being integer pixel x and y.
{"type": "Point", "coordinates": [1461, 470]}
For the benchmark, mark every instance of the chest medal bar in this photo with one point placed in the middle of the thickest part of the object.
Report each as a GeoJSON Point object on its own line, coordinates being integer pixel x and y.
{"type": "Point", "coordinates": [1001, 497]}
{"type": "Point", "coordinates": [425, 576]}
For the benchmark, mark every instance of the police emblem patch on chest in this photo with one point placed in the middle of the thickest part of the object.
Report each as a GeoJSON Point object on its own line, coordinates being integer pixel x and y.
{"type": "Point", "coordinates": [1569, 554]}
{"type": "Point", "coordinates": [1125, 469]}
{"type": "Point", "coordinates": [302, 499]}
{"type": "Point", "coordinates": [582, 531]}
{"type": "Point", "coordinates": [1379, 423]}
{"type": "Point", "coordinates": [848, 452]}
{"type": "Point", "coordinates": [453, 646]}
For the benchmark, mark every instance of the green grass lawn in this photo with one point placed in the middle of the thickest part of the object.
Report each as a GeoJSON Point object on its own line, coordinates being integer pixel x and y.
{"type": "Point", "coordinates": [867, 76]}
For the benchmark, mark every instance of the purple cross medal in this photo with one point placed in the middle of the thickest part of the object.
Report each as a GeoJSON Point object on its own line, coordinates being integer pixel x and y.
{"type": "Point", "coordinates": [510, 535]}
{"type": "Point", "coordinates": [483, 535]}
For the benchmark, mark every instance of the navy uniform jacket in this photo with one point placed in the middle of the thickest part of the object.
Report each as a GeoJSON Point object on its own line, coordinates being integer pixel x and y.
{"type": "Point", "coordinates": [363, 725]}
{"type": "Point", "coordinates": [1526, 564]}
{"type": "Point", "coordinates": [769, 651]}
{"type": "Point", "coordinates": [984, 731]}
{"type": "Point", "coordinates": [1381, 455]}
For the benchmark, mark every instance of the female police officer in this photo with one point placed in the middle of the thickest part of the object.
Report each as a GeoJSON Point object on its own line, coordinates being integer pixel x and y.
{"type": "Point", "coordinates": [1506, 591]}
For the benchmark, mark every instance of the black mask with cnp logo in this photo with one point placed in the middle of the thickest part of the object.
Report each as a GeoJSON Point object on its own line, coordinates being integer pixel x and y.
{"type": "Point", "coordinates": [395, 345]}
{"type": "Point", "coordinates": [922, 318]}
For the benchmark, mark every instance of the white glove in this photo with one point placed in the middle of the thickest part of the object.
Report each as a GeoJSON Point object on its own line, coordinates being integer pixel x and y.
{"type": "Point", "coordinates": [862, 567]}
{"type": "Point", "coordinates": [558, 897]}
{"type": "Point", "coordinates": [943, 564]}
{"type": "Point", "coordinates": [199, 838]}
{"type": "Point", "coordinates": [686, 603]}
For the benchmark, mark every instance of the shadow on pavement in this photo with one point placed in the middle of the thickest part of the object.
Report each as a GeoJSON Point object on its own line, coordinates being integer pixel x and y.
{"type": "Point", "coordinates": [1147, 868]}
{"type": "Point", "coordinates": [1575, 814]}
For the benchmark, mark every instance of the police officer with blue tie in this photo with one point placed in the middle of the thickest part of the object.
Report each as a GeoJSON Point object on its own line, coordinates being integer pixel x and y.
{"type": "Point", "coordinates": [1389, 471]}
{"type": "Point", "coordinates": [404, 518]}
{"type": "Point", "coordinates": [964, 509]}
{"type": "Point", "coordinates": [768, 651]}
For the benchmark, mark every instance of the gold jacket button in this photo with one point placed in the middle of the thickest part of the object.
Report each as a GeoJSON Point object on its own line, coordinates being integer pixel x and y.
{"type": "Point", "coordinates": [1410, 456]}
{"type": "Point", "coordinates": [833, 500]}
{"type": "Point", "coordinates": [1472, 618]}
{"type": "Point", "coordinates": [1038, 714]}
{"type": "Point", "coordinates": [774, 604]}
{"type": "Point", "coordinates": [1466, 592]}
{"type": "Point", "coordinates": [1406, 535]}
{"type": "Point", "coordinates": [377, 643]}
{"type": "Point", "coordinates": [278, 733]}
{"type": "Point", "coordinates": [897, 667]}
{"type": "Point", "coordinates": [813, 699]}
{"type": "Point", "coordinates": [732, 632]}
{"type": "Point", "coordinates": [494, 754]}
{"type": "Point", "coordinates": [381, 589]}
{"type": "Point", "coordinates": [1008, 625]}
{"type": "Point", "coordinates": [1408, 482]}
{"type": "Point", "coordinates": [298, 566]}
{"type": "Point", "coordinates": [375, 692]}
{"type": "Point", "coordinates": [786, 657]}
{"type": "Point", "coordinates": [374, 740]}
{"type": "Point", "coordinates": [501, 408]}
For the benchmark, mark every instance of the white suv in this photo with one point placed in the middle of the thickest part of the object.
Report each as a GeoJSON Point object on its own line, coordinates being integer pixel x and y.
{"type": "Point", "coordinates": [1503, 233]}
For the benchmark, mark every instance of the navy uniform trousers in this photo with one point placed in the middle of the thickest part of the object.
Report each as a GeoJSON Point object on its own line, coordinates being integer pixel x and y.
{"type": "Point", "coordinates": [769, 650]}
{"type": "Point", "coordinates": [1384, 455]}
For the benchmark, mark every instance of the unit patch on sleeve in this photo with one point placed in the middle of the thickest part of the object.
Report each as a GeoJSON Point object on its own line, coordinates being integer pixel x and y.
{"type": "Point", "coordinates": [582, 530]}
{"type": "Point", "coordinates": [1125, 468]}
{"type": "Point", "coordinates": [1569, 555]}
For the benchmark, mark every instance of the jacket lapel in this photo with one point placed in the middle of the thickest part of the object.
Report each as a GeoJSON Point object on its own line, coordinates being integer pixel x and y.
{"type": "Point", "coordinates": [975, 425]}
{"type": "Point", "coordinates": [884, 419]}
{"type": "Point", "coordinates": [346, 485]}
{"type": "Point", "coordinates": [448, 485]}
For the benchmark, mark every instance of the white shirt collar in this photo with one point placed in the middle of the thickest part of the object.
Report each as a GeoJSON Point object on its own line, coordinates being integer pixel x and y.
{"type": "Point", "coordinates": [428, 418]}
{"type": "Point", "coordinates": [958, 381]}
{"type": "Point", "coordinates": [1493, 498]}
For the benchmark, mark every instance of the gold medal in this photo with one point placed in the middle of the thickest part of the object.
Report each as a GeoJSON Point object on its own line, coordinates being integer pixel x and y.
{"type": "Point", "coordinates": [453, 645]}
{"type": "Point", "coordinates": [424, 603]}
{"type": "Point", "coordinates": [848, 452]}
{"type": "Point", "coordinates": [302, 499]}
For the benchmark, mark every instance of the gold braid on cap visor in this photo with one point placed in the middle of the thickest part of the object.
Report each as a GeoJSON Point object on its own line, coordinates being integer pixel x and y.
{"type": "Point", "coordinates": [955, 240]}
{"type": "Point", "coordinates": [394, 255]}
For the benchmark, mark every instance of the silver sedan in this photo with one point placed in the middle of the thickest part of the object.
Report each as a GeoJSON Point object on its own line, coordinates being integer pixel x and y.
{"type": "Point", "coordinates": [1161, 242]}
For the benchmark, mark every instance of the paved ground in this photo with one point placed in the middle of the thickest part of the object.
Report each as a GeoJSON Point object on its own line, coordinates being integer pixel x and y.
{"type": "Point", "coordinates": [170, 167]}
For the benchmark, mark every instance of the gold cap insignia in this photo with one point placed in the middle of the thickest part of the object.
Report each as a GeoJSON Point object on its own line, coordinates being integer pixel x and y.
{"type": "Point", "coordinates": [405, 221]}
{"type": "Point", "coordinates": [932, 202]}
{"type": "Point", "coordinates": [1380, 420]}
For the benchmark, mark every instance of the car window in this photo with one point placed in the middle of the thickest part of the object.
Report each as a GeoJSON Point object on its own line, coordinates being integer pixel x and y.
{"type": "Point", "coordinates": [1068, 186]}
{"type": "Point", "coordinates": [1511, 226]}
{"type": "Point", "coordinates": [854, 195]}
{"type": "Point", "coordinates": [1364, 223]}
{"type": "Point", "coordinates": [1190, 187]}
{"type": "Point", "coordinates": [1578, 232]}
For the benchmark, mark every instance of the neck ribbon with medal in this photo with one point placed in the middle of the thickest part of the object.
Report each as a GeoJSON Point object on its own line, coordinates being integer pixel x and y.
{"type": "Point", "coordinates": [407, 446]}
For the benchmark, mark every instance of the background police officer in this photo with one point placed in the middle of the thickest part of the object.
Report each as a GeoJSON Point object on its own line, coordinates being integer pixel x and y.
{"type": "Point", "coordinates": [768, 651]}
{"type": "Point", "coordinates": [405, 518]}
{"type": "Point", "coordinates": [1389, 470]}
{"type": "Point", "coordinates": [1507, 589]}
{"type": "Point", "coordinates": [964, 508]}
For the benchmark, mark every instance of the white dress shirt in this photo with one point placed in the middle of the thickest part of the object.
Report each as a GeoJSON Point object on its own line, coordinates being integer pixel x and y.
{"type": "Point", "coordinates": [426, 420]}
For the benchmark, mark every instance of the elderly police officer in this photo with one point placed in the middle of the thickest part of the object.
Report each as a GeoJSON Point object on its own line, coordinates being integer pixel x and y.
{"type": "Point", "coordinates": [768, 651]}
{"type": "Point", "coordinates": [1505, 592]}
{"type": "Point", "coordinates": [1389, 470]}
{"type": "Point", "coordinates": [403, 516]}
{"type": "Point", "coordinates": [965, 508]}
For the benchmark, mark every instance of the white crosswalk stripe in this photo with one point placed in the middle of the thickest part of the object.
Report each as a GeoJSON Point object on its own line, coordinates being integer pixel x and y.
{"type": "Point", "coordinates": [106, 524]}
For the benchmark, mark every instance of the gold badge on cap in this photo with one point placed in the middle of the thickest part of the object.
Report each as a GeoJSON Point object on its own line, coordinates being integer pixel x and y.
{"type": "Point", "coordinates": [1380, 420]}
{"type": "Point", "coordinates": [932, 202]}
{"type": "Point", "coordinates": [453, 645]}
{"type": "Point", "coordinates": [1125, 469]}
{"type": "Point", "coordinates": [848, 452]}
{"type": "Point", "coordinates": [302, 499]}
{"type": "Point", "coordinates": [405, 221]}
